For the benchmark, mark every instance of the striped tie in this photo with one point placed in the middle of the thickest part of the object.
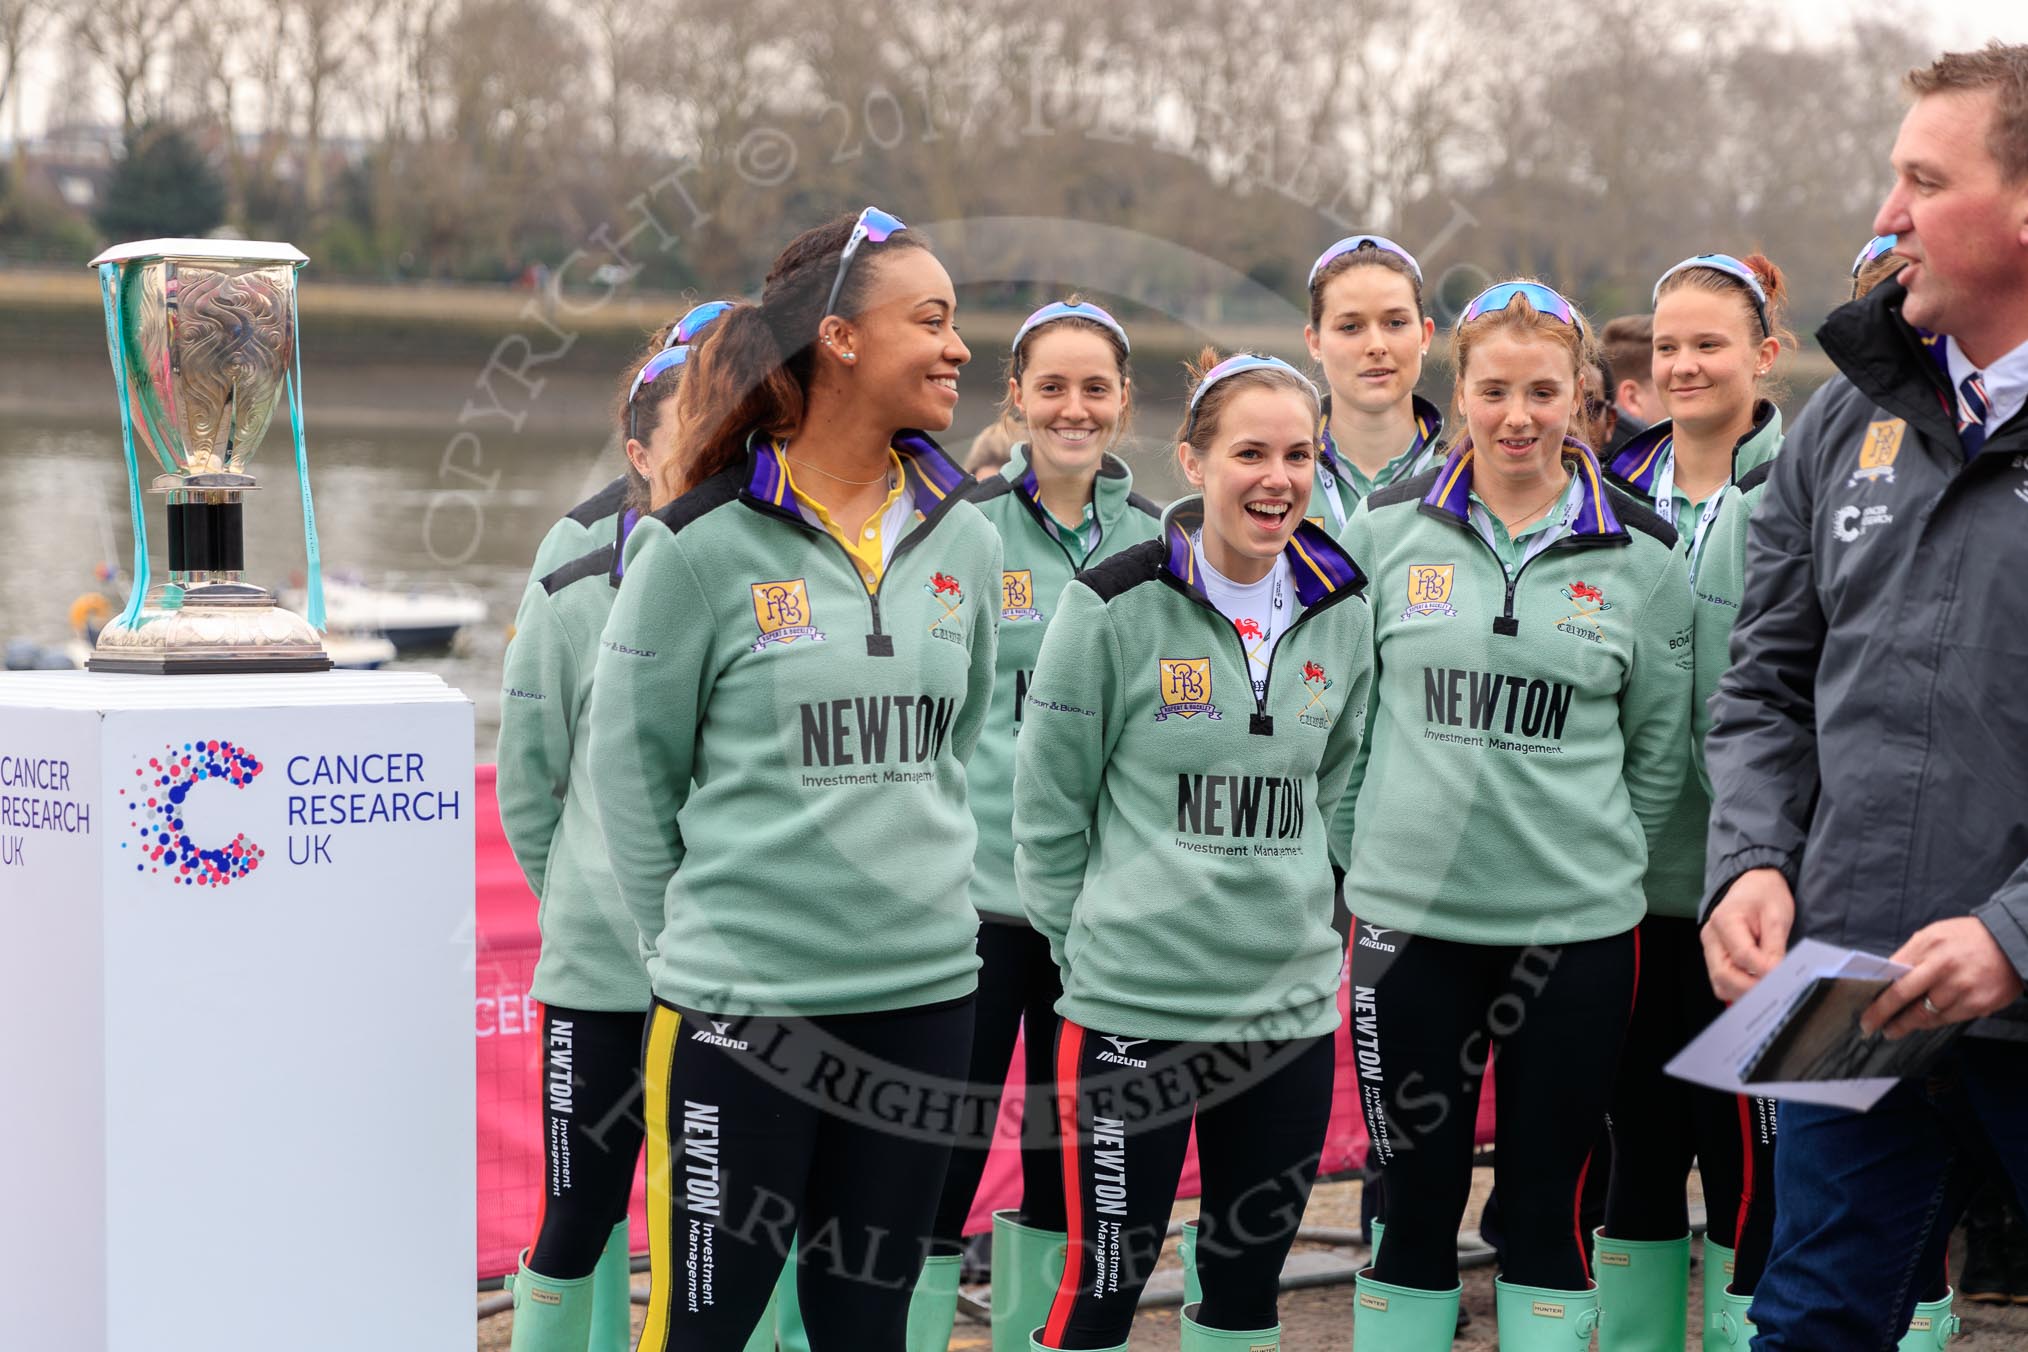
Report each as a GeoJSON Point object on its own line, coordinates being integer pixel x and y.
{"type": "Point", "coordinates": [1972, 410]}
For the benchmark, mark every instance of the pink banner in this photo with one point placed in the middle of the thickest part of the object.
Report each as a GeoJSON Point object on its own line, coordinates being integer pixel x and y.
{"type": "Point", "coordinates": [509, 1025]}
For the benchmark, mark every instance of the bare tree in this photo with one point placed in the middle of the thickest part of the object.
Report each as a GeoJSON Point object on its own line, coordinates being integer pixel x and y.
{"type": "Point", "coordinates": [331, 39]}
{"type": "Point", "coordinates": [22, 25]}
{"type": "Point", "coordinates": [127, 39]}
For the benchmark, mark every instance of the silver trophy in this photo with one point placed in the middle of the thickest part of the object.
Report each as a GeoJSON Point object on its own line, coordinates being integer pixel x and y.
{"type": "Point", "coordinates": [202, 335]}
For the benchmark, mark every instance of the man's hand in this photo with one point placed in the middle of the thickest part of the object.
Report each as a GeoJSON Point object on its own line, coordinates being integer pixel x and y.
{"type": "Point", "coordinates": [1748, 932]}
{"type": "Point", "coordinates": [1959, 972]}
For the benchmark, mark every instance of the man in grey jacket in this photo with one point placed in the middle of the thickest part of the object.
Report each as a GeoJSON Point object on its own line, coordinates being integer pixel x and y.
{"type": "Point", "coordinates": [1869, 745]}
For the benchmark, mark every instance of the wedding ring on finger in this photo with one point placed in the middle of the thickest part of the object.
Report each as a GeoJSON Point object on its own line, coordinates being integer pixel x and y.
{"type": "Point", "coordinates": [1930, 1005]}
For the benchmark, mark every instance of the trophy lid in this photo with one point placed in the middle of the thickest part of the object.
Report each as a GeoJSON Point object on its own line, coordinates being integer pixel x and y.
{"type": "Point", "coordinates": [224, 250]}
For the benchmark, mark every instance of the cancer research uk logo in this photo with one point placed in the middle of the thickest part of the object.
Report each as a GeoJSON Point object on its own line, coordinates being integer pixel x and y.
{"type": "Point", "coordinates": [156, 803]}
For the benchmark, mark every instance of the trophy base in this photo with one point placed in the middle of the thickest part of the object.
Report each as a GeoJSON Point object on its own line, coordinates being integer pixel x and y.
{"type": "Point", "coordinates": [203, 666]}
{"type": "Point", "coordinates": [217, 628]}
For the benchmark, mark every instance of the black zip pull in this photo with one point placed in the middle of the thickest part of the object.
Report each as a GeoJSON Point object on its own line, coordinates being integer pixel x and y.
{"type": "Point", "coordinates": [1506, 625]}
{"type": "Point", "coordinates": [1261, 725]}
{"type": "Point", "coordinates": [880, 645]}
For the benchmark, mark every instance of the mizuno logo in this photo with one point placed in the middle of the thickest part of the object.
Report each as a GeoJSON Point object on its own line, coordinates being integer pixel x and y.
{"type": "Point", "coordinates": [1118, 1055]}
{"type": "Point", "coordinates": [719, 1038]}
{"type": "Point", "coordinates": [1371, 939]}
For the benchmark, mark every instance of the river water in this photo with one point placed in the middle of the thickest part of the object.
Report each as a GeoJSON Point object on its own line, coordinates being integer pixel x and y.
{"type": "Point", "coordinates": [423, 506]}
{"type": "Point", "coordinates": [388, 512]}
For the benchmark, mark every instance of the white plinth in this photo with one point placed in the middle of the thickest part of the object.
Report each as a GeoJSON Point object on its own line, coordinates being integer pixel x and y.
{"type": "Point", "coordinates": [239, 1101]}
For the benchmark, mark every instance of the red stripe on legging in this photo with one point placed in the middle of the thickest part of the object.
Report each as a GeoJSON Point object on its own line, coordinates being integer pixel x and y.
{"type": "Point", "coordinates": [1577, 1221]}
{"type": "Point", "coordinates": [1577, 1202]}
{"type": "Point", "coordinates": [1069, 1052]}
{"type": "Point", "coordinates": [1745, 1168]}
{"type": "Point", "coordinates": [542, 1112]}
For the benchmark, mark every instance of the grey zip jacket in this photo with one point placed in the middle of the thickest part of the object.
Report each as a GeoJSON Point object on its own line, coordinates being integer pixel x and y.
{"type": "Point", "coordinates": [1870, 738]}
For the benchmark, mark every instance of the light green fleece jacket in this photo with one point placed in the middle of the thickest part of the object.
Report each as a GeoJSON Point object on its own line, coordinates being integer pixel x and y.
{"type": "Point", "coordinates": [589, 525]}
{"type": "Point", "coordinates": [1645, 467]}
{"type": "Point", "coordinates": [591, 954]}
{"type": "Point", "coordinates": [1526, 742]}
{"type": "Point", "coordinates": [1170, 828]}
{"type": "Point", "coordinates": [1039, 565]}
{"type": "Point", "coordinates": [1341, 484]}
{"type": "Point", "coordinates": [780, 752]}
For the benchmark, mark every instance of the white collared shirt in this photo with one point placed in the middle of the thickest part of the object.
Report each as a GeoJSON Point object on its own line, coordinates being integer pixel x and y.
{"type": "Point", "coordinates": [2006, 381]}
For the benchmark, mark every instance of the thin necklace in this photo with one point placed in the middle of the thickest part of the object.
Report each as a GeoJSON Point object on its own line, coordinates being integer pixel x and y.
{"type": "Point", "coordinates": [885, 476]}
{"type": "Point", "coordinates": [1561, 489]}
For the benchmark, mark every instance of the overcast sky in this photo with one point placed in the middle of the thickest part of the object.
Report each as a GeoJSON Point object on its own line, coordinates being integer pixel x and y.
{"type": "Point", "coordinates": [1956, 23]}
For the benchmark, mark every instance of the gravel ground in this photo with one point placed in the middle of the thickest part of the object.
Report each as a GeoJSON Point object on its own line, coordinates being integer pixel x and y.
{"type": "Point", "coordinates": [1320, 1319]}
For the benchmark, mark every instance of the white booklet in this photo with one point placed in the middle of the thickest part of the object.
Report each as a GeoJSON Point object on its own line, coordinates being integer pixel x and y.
{"type": "Point", "coordinates": [1801, 1023]}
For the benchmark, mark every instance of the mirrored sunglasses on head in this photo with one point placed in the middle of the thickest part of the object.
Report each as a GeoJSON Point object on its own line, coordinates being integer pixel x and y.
{"type": "Point", "coordinates": [1064, 309]}
{"type": "Point", "coordinates": [1876, 248]}
{"type": "Point", "coordinates": [1543, 299]}
{"type": "Point", "coordinates": [874, 224]}
{"type": "Point", "coordinates": [1353, 243]}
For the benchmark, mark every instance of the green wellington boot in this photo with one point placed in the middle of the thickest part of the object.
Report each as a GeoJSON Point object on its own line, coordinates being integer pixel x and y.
{"type": "Point", "coordinates": [550, 1315]}
{"type": "Point", "coordinates": [1379, 1229]}
{"type": "Point", "coordinates": [1198, 1338]}
{"type": "Point", "coordinates": [1186, 1249]}
{"type": "Point", "coordinates": [612, 1304]}
{"type": "Point", "coordinates": [789, 1331]}
{"type": "Point", "coordinates": [1729, 1325]}
{"type": "Point", "coordinates": [1401, 1318]}
{"type": "Point", "coordinates": [1933, 1326]}
{"type": "Point", "coordinates": [1027, 1268]}
{"type": "Point", "coordinates": [762, 1339]}
{"type": "Point", "coordinates": [1717, 1276]}
{"type": "Point", "coordinates": [1538, 1319]}
{"type": "Point", "coordinates": [1643, 1293]}
{"type": "Point", "coordinates": [934, 1306]}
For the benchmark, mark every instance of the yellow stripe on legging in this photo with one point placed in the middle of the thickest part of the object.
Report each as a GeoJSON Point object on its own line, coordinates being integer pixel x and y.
{"type": "Point", "coordinates": [661, 1054]}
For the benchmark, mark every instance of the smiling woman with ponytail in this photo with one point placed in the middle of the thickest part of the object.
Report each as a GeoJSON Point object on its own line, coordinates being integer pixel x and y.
{"type": "Point", "coordinates": [797, 667]}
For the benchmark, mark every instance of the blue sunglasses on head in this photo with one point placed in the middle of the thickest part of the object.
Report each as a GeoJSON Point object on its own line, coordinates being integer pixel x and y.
{"type": "Point", "coordinates": [659, 365]}
{"type": "Point", "coordinates": [1354, 243]}
{"type": "Point", "coordinates": [1542, 299]}
{"type": "Point", "coordinates": [696, 322]}
{"type": "Point", "coordinates": [1731, 267]}
{"type": "Point", "coordinates": [873, 224]}
{"type": "Point", "coordinates": [1232, 366]}
{"type": "Point", "coordinates": [1877, 247]}
{"type": "Point", "coordinates": [1064, 309]}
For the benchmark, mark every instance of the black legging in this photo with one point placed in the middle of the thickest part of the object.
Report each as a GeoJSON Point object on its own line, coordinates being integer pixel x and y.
{"type": "Point", "coordinates": [1261, 1108]}
{"type": "Point", "coordinates": [1427, 1015]}
{"type": "Point", "coordinates": [591, 1135]}
{"type": "Point", "coordinates": [1018, 989]}
{"type": "Point", "coordinates": [1660, 1123]}
{"type": "Point", "coordinates": [833, 1131]}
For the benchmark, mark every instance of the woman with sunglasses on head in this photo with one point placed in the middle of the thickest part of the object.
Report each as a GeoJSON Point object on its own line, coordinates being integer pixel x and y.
{"type": "Point", "coordinates": [1063, 502]}
{"type": "Point", "coordinates": [797, 666]}
{"type": "Point", "coordinates": [1531, 702]}
{"type": "Point", "coordinates": [590, 524]}
{"type": "Point", "coordinates": [1368, 332]}
{"type": "Point", "coordinates": [1717, 333]}
{"type": "Point", "coordinates": [1171, 802]}
{"type": "Point", "coordinates": [1735, 1139]}
{"type": "Point", "coordinates": [573, 1289]}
